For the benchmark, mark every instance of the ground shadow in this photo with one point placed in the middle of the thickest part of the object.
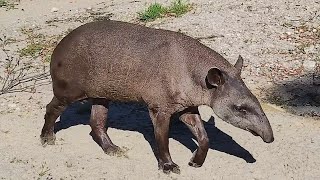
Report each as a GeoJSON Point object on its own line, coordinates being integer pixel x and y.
{"type": "Point", "coordinates": [135, 117]}
{"type": "Point", "coordinates": [300, 96]}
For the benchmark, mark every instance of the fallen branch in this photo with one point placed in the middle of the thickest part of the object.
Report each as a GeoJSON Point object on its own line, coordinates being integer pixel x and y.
{"type": "Point", "coordinates": [208, 37]}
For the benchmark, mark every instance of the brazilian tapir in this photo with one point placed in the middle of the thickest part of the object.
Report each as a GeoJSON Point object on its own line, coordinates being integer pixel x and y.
{"type": "Point", "coordinates": [170, 72]}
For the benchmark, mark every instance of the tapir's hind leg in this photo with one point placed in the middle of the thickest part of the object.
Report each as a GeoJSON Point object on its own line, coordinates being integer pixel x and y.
{"type": "Point", "coordinates": [53, 110]}
{"type": "Point", "coordinates": [98, 120]}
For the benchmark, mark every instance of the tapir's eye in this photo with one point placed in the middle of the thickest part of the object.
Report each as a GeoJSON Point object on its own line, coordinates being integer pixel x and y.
{"type": "Point", "coordinates": [241, 109]}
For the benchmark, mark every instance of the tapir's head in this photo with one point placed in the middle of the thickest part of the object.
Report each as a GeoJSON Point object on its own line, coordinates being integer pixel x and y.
{"type": "Point", "coordinates": [233, 102]}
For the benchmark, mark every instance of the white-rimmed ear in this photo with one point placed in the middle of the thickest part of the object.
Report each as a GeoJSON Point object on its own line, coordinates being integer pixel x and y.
{"type": "Point", "coordinates": [214, 78]}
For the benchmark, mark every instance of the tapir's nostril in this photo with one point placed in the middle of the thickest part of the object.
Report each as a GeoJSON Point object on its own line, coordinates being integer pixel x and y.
{"type": "Point", "coordinates": [271, 140]}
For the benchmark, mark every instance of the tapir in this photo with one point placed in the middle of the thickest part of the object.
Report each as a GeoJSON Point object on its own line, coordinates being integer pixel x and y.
{"type": "Point", "coordinates": [172, 73]}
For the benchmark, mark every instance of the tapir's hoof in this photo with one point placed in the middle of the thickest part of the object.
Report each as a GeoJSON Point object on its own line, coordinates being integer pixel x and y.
{"type": "Point", "coordinates": [193, 164]}
{"type": "Point", "coordinates": [47, 140]}
{"type": "Point", "coordinates": [170, 167]}
{"type": "Point", "coordinates": [115, 151]}
{"type": "Point", "coordinates": [196, 160]}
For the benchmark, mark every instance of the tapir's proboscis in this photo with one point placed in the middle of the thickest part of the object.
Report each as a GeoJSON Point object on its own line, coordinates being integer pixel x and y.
{"type": "Point", "coordinates": [170, 72]}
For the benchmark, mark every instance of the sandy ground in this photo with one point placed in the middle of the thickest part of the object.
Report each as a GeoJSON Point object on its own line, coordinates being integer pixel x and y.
{"type": "Point", "coordinates": [249, 28]}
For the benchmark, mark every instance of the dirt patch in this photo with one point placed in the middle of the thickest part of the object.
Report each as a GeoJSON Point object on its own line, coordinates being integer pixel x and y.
{"type": "Point", "coordinates": [300, 96]}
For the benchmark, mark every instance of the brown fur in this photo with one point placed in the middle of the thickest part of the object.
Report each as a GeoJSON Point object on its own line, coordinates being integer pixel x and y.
{"type": "Point", "coordinates": [170, 72]}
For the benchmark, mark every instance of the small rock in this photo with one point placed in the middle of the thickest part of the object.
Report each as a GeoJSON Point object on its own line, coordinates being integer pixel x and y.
{"type": "Point", "coordinates": [54, 9]}
{"type": "Point", "coordinates": [282, 36]}
{"type": "Point", "coordinates": [289, 33]}
{"type": "Point", "coordinates": [310, 50]}
{"type": "Point", "coordinates": [314, 30]}
{"type": "Point", "coordinates": [89, 8]}
{"type": "Point", "coordinates": [301, 31]}
{"type": "Point", "coordinates": [12, 105]}
{"type": "Point", "coordinates": [309, 65]}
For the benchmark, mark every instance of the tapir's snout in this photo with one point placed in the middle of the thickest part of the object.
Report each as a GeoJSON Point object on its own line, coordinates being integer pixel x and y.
{"type": "Point", "coordinates": [268, 137]}
{"type": "Point", "coordinates": [263, 130]}
{"type": "Point", "coordinates": [266, 133]}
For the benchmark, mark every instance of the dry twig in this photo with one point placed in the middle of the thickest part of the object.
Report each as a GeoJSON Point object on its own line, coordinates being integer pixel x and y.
{"type": "Point", "coordinates": [17, 76]}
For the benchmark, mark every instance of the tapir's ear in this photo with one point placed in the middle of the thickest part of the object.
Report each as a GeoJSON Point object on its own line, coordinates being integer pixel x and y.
{"type": "Point", "coordinates": [239, 63]}
{"type": "Point", "coordinates": [214, 78]}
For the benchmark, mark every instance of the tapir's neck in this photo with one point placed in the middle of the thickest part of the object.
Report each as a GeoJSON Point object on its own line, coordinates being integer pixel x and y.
{"type": "Point", "coordinates": [198, 63]}
{"type": "Point", "coordinates": [200, 94]}
{"type": "Point", "coordinates": [203, 98]}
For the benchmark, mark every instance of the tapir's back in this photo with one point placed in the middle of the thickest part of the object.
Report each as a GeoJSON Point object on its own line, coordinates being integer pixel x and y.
{"type": "Point", "coordinates": [120, 60]}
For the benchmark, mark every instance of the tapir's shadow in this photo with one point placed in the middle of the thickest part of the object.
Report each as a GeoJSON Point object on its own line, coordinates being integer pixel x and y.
{"type": "Point", "coordinates": [135, 117]}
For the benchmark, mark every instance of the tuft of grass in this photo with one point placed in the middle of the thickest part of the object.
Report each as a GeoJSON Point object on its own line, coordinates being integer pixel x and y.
{"type": "Point", "coordinates": [156, 10]}
{"type": "Point", "coordinates": [3, 3]}
{"type": "Point", "coordinates": [178, 8]}
{"type": "Point", "coordinates": [43, 170]}
{"type": "Point", "coordinates": [7, 5]}
{"type": "Point", "coordinates": [32, 50]}
{"type": "Point", "coordinates": [153, 12]}
{"type": "Point", "coordinates": [39, 45]}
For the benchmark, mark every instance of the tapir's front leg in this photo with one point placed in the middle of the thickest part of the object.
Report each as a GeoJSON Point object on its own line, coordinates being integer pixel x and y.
{"type": "Point", "coordinates": [194, 123]}
{"type": "Point", "coordinates": [161, 121]}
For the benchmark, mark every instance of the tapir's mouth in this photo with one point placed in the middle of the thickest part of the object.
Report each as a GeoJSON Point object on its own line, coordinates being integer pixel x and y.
{"type": "Point", "coordinates": [267, 139]}
{"type": "Point", "coordinates": [252, 132]}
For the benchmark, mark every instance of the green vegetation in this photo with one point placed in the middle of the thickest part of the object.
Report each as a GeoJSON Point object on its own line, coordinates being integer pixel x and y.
{"type": "Point", "coordinates": [44, 169]}
{"type": "Point", "coordinates": [179, 8]}
{"type": "Point", "coordinates": [3, 3]}
{"type": "Point", "coordinates": [156, 10]}
{"type": "Point", "coordinates": [32, 50]}
{"type": "Point", "coordinates": [153, 12]}
{"type": "Point", "coordinates": [39, 45]}
{"type": "Point", "coordinates": [6, 4]}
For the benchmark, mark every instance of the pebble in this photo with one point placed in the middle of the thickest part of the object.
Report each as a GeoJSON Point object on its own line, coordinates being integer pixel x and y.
{"type": "Point", "coordinates": [311, 49]}
{"type": "Point", "coordinates": [309, 65]}
{"type": "Point", "coordinates": [54, 9]}
{"type": "Point", "coordinates": [282, 36]}
{"type": "Point", "coordinates": [289, 33]}
{"type": "Point", "coordinates": [314, 30]}
{"type": "Point", "coordinates": [12, 105]}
